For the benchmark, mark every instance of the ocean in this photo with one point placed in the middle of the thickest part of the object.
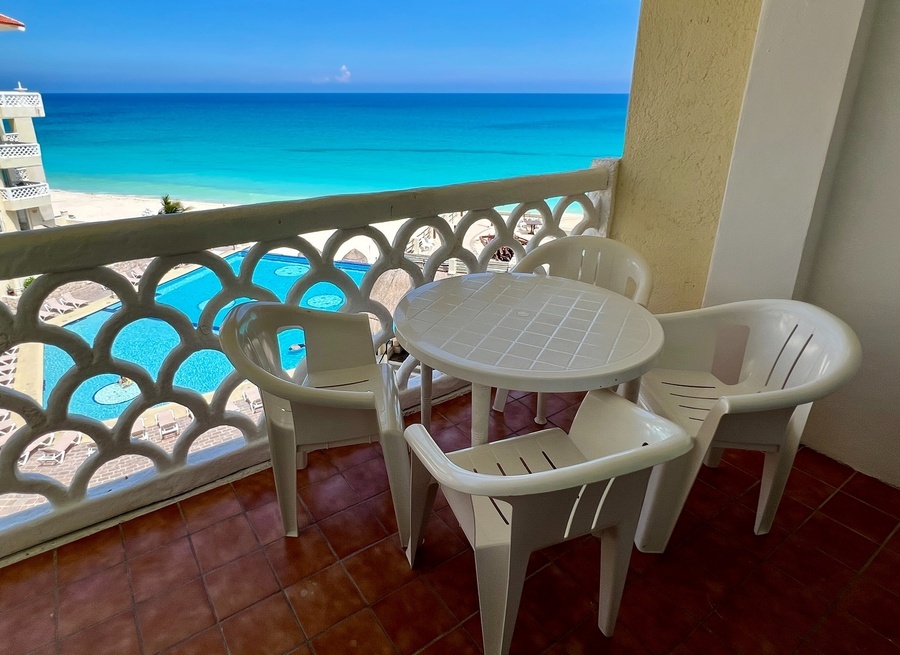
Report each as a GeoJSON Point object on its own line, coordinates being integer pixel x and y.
{"type": "Point", "coordinates": [240, 148]}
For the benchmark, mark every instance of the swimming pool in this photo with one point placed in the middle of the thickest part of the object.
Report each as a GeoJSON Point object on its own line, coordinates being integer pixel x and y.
{"type": "Point", "coordinates": [148, 341]}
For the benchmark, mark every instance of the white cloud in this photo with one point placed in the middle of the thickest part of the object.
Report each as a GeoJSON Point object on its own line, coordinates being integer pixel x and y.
{"type": "Point", "coordinates": [342, 77]}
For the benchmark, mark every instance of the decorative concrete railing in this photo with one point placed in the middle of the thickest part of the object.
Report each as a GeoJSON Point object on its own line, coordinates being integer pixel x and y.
{"type": "Point", "coordinates": [14, 150]}
{"type": "Point", "coordinates": [24, 192]}
{"type": "Point", "coordinates": [10, 137]}
{"type": "Point", "coordinates": [409, 235]}
{"type": "Point", "coordinates": [19, 99]}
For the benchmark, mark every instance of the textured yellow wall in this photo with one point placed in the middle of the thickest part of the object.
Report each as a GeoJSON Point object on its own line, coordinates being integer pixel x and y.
{"type": "Point", "coordinates": [690, 70]}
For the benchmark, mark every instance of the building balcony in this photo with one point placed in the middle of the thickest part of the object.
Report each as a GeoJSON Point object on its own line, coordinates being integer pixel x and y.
{"type": "Point", "coordinates": [21, 104]}
{"type": "Point", "coordinates": [187, 549]}
{"type": "Point", "coordinates": [15, 154]}
{"type": "Point", "coordinates": [25, 196]}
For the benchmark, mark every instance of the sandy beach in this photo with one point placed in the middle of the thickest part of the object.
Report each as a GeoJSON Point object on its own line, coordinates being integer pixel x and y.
{"type": "Point", "coordinates": [87, 207]}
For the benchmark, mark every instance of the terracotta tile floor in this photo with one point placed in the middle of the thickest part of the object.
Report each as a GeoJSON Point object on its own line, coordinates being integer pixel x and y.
{"type": "Point", "coordinates": [213, 575]}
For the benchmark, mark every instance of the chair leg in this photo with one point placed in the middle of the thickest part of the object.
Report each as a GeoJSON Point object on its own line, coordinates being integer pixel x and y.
{"type": "Point", "coordinates": [713, 457]}
{"type": "Point", "coordinates": [776, 470]}
{"type": "Point", "coordinates": [396, 461]}
{"type": "Point", "coordinates": [615, 556]}
{"type": "Point", "coordinates": [283, 448]}
{"type": "Point", "coordinates": [500, 399]}
{"type": "Point", "coordinates": [422, 490]}
{"type": "Point", "coordinates": [670, 484]}
{"type": "Point", "coordinates": [500, 570]}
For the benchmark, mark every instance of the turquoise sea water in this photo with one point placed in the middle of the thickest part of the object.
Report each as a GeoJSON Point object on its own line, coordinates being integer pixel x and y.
{"type": "Point", "coordinates": [259, 147]}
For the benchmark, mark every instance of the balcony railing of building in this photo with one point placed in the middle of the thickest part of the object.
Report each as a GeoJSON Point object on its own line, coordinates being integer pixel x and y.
{"type": "Point", "coordinates": [24, 192]}
{"type": "Point", "coordinates": [10, 151]}
{"type": "Point", "coordinates": [411, 237]}
{"type": "Point", "coordinates": [20, 99]}
{"type": "Point", "coordinates": [10, 137]}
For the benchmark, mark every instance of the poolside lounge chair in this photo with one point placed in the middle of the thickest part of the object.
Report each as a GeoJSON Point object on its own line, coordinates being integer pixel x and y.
{"type": "Point", "coordinates": [251, 395]}
{"type": "Point", "coordinates": [167, 423]}
{"type": "Point", "coordinates": [139, 429]}
{"type": "Point", "coordinates": [71, 301]}
{"type": "Point", "coordinates": [56, 452]}
{"type": "Point", "coordinates": [135, 274]}
{"type": "Point", "coordinates": [33, 447]}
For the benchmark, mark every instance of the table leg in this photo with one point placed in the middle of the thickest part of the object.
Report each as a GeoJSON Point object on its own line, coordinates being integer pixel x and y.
{"type": "Point", "coordinates": [425, 389]}
{"type": "Point", "coordinates": [481, 409]}
{"type": "Point", "coordinates": [630, 390]}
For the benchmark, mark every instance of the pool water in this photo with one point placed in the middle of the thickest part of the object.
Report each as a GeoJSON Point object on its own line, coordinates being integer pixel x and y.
{"type": "Point", "coordinates": [148, 341]}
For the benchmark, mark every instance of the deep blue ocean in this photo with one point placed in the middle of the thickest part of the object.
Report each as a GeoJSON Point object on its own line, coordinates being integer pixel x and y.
{"type": "Point", "coordinates": [260, 147]}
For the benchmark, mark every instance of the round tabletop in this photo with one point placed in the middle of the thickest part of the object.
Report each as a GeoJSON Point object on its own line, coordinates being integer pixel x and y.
{"type": "Point", "coordinates": [528, 332]}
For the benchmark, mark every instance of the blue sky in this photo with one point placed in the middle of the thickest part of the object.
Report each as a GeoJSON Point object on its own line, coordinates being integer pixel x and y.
{"type": "Point", "coordinates": [572, 46]}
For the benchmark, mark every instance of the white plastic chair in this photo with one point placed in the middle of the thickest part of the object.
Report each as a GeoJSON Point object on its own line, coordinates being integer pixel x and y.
{"type": "Point", "coordinates": [742, 375]}
{"type": "Point", "coordinates": [596, 260]}
{"type": "Point", "coordinates": [518, 495]}
{"type": "Point", "coordinates": [339, 394]}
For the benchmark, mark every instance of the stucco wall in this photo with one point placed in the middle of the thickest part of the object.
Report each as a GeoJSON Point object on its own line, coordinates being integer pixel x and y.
{"type": "Point", "coordinates": [855, 273]}
{"type": "Point", "coordinates": [689, 77]}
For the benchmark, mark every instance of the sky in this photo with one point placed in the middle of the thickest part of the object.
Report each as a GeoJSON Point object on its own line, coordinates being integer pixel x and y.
{"type": "Point", "coordinates": [461, 46]}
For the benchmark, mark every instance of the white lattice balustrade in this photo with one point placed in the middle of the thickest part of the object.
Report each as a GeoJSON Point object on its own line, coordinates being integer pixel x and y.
{"type": "Point", "coordinates": [402, 231]}
{"type": "Point", "coordinates": [12, 150]}
{"type": "Point", "coordinates": [14, 99]}
{"type": "Point", "coordinates": [24, 192]}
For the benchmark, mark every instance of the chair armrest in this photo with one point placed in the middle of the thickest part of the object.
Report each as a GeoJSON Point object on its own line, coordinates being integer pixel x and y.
{"type": "Point", "coordinates": [478, 484]}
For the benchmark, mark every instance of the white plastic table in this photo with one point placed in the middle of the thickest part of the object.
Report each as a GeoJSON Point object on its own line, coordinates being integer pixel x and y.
{"type": "Point", "coordinates": [525, 332]}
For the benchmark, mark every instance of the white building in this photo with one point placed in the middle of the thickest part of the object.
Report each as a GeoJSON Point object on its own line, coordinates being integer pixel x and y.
{"type": "Point", "coordinates": [24, 193]}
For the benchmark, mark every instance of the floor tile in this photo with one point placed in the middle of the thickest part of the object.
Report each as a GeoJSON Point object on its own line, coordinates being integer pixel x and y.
{"type": "Point", "coordinates": [318, 468]}
{"type": "Point", "coordinates": [89, 555]}
{"type": "Point", "coordinates": [329, 496]}
{"type": "Point", "coordinates": [379, 569]}
{"type": "Point", "coordinates": [28, 625]}
{"type": "Point", "coordinates": [223, 542]}
{"type": "Point", "coordinates": [874, 492]}
{"type": "Point", "coordinates": [203, 510]}
{"type": "Point", "coordinates": [885, 570]}
{"type": "Point", "coordinates": [455, 583]}
{"type": "Point", "coordinates": [457, 642]}
{"type": "Point", "coordinates": [346, 457]}
{"type": "Point", "coordinates": [294, 558]}
{"type": "Point", "coordinates": [153, 530]}
{"type": "Point", "coordinates": [324, 599]}
{"type": "Point", "coordinates": [117, 634]}
{"type": "Point", "coordinates": [159, 570]}
{"type": "Point", "coordinates": [836, 540]}
{"type": "Point", "coordinates": [808, 489]}
{"type": "Point", "coordinates": [170, 618]}
{"type": "Point", "coordinates": [267, 628]}
{"type": "Point", "coordinates": [352, 530]}
{"type": "Point", "coordinates": [208, 642]}
{"type": "Point", "coordinates": [255, 490]}
{"type": "Point", "coordinates": [804, 562]}
{"type": "Point", "coordinates": [93, 599]}
{"type": "Point", "coordinates": [26, 579]}
{"type": "Point", "coordinates": [821, 467]}
{"type": "Point", "coordinates": [369, 478]}
{"type": "Point", "coordinates": [841, 633]}
{"type": "Point", "coordinates": [361, 633]}
{"type": "Point", "coordinates": [400, 614]}
{"type": "Point", "coordinates": [876, 607]}
{"type": "Point", "coordinates": [267, 525]}
{"type": "Point", "coordinates": [240, 584]}
{"type": "Point", "coordinates": [859, 516]}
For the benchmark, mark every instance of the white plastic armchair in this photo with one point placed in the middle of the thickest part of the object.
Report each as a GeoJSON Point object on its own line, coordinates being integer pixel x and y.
{"type": "Point", "coordinates": [595, 260]}
{"type": "Point", "coordinates": [518, 495]}
{"type": "Point", "coordinates": [339, 394]}
{"type": "Point", "coordinates": [742, 375]}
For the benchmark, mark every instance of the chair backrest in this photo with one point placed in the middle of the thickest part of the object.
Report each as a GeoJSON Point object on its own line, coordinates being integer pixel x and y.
{"type": "Point", "coordinates": [596, 260]}
{"type": "Point", "coordinates": [771, 345]}
{"type": "Point", "coordinates": [338, 345]}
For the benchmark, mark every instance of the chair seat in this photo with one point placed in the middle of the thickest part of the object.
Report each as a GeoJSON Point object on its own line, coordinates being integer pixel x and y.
{"type": "Point", "coordinates": [531, 453]}
{"type": "Point", "coordinates": [685, 397]}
